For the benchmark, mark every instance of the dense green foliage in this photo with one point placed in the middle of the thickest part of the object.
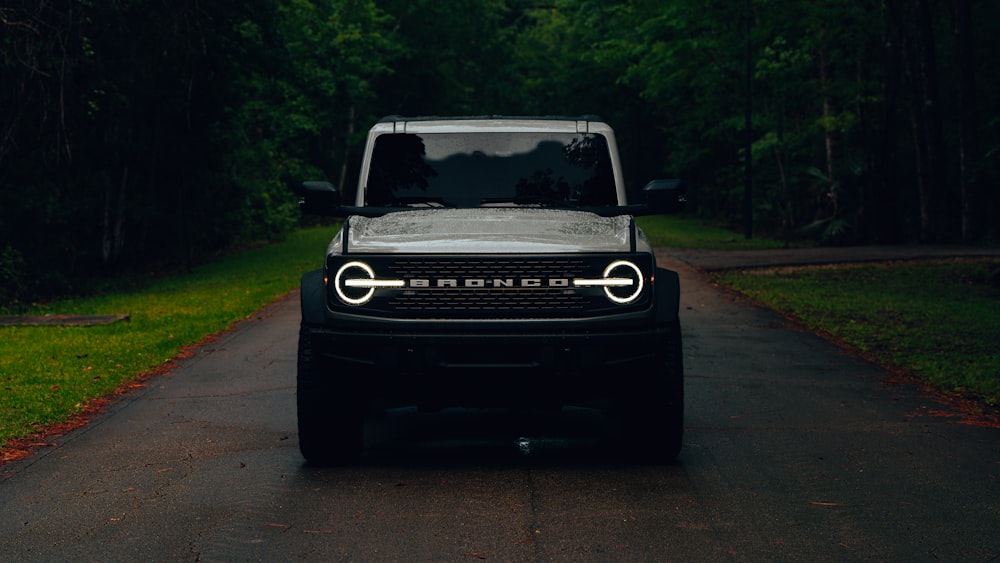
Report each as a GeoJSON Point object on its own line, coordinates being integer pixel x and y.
{"type": "Point", "coordinates": [146, 134]}
{"type": "Point", "coordinates": [936, 321]}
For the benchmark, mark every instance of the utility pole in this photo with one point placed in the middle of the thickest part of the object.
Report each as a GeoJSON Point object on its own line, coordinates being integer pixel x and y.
{"type": "Point", "coordinates": [748, 135]}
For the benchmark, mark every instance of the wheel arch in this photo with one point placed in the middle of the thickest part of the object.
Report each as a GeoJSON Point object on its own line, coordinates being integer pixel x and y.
{"type": "Point", "coordinates": [667, 295]}
{"type": "Point", "coordinates": [313, 298]}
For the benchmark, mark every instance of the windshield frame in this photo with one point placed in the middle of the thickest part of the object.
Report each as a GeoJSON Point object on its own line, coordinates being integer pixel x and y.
{"type": "Point", "coordinates": [503, 138]}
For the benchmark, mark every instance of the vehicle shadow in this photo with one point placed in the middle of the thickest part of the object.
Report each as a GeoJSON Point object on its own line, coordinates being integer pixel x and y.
{"type": "Point", "coordinates": [460, 438]}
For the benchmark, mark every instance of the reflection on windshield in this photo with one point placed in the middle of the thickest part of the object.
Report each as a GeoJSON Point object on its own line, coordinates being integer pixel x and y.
{"type": "Point", "coordinates": [472, 169]}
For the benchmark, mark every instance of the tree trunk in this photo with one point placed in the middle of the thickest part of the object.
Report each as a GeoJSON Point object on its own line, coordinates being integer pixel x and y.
{"type": "Point", "coordinates": [968, 155]}
{"type": "Point", "coordinates": [932, 125]}
{"type": "Point", "coordinates": [112, 239]}
{"type": "Point", "coordinates": [347, 150]}
{"type": "Point", "coordinates": [920, 66]}
{"type": "Point", "coordinates": [884, 215]}
{"type": "Point", "coordinates": [824, 84]}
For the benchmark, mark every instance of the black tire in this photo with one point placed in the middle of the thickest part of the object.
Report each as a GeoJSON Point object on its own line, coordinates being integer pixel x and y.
{"type": "Point", "coordinates": [331, 425]}
{"type": "Point", "coordinates": [651, 421]}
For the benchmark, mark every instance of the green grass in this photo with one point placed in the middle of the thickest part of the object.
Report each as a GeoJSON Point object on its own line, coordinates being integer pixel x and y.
{"type": "Point", "coordinates": [939, 321]}
{"type": "Point", "coordinates": [48, 373]}
{"type": "Point", "coordinates": [678, 231]}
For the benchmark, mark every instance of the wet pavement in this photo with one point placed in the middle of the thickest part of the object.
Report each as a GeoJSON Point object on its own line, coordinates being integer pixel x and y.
{"type": "Point", "coordinates": [794, 450]}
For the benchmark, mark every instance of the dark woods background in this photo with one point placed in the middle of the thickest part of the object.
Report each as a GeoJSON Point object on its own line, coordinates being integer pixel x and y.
{"type": "Point", "coordinates": [144, 135]}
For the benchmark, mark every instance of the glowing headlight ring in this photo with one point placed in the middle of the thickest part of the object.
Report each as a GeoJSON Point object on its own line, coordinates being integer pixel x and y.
{"type": "Point", "coordinates": [339, 283]}
{"type": "Point", "coordinates": [638, 276]}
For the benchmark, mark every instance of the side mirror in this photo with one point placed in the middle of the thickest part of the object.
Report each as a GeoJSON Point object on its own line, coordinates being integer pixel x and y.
{"type": "Point", "coordinates": [664, 196]}
{"type": "Point", "coordinates": [319, 198]}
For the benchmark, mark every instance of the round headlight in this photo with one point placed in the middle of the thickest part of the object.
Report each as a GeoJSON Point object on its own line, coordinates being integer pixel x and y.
{"type": "Point", "coordinates": [346, 286]}
{"type": "Point", "coordinates": [624, 282]}
{"type": "Point", "coordinates": [355, 283]}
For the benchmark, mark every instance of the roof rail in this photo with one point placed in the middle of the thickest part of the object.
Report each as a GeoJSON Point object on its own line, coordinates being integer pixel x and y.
{"type": "Point", "coordinates": [394, 118]}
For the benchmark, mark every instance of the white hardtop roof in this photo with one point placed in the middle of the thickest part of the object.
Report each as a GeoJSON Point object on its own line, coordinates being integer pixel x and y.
{"type": "Point", "coordinates": [582, 124]}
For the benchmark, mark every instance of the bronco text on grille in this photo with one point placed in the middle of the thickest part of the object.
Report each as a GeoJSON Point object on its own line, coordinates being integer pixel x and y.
{"type": "Point", "coordinates": [490, 261]}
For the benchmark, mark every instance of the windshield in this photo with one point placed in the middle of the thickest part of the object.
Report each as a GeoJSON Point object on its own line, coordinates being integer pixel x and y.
{"type": "Point", "coordinates": [490, 168]}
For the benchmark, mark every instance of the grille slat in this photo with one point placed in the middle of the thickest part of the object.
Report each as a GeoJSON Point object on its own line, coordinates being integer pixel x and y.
{"type": "Point", "coordinates": [474, 268]}
{"type": "Point", "coordinates": [488, 300]}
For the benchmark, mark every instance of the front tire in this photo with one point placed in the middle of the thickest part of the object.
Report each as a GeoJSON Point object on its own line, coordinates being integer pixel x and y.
{"type": "Point", "coordinates": [331, 424]}
{"type": "Point", "coordinates": [651, 421]}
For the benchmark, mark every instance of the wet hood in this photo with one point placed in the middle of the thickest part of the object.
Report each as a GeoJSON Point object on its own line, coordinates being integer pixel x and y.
{"type": "Point", "coordinates": [489, 230]}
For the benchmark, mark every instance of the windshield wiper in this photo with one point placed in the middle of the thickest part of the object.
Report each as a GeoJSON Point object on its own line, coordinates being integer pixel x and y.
{"type": "Point", "coordinates": [528, 200]}
{"type": "Point", "coordinates": [421, 201]}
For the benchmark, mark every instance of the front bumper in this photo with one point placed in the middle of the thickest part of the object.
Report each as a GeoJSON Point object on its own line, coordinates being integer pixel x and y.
{"type": "Point", "coordinates": [490, 369]}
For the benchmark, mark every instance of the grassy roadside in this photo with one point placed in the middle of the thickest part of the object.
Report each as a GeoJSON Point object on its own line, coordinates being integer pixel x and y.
{"type": "Point", "coordinates": [937, 320]}
{"type": "Point", "coordinates": [48, 374]}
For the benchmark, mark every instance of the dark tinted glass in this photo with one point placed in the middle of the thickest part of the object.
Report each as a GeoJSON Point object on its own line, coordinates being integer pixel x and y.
{"type": "Point", "coordinates": [475, 169]}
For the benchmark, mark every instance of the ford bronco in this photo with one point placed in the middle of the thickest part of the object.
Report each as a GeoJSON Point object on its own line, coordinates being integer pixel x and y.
{"type": "Point", "coordinates": [489, 262]}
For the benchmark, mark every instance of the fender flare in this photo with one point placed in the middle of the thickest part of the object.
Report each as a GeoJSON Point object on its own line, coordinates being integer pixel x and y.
{"type": "Point", "coordinates": [667, 298]}
{"type": "Point", "coordinates": [313, 298]}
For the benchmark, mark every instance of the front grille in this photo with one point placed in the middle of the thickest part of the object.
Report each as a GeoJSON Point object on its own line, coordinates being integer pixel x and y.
{"type": "Point", "coordinates": [497, 290]}
{"type": "Point", "coordinates": [481, 267]}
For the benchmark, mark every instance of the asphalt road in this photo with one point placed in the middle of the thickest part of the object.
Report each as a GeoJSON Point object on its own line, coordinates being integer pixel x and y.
{"type": "Point", "coordinates": [794, 450]}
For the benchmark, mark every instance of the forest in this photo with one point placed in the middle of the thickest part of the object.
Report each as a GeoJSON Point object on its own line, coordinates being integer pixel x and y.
{"type": "Point", "coordinates": [143, 136]}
